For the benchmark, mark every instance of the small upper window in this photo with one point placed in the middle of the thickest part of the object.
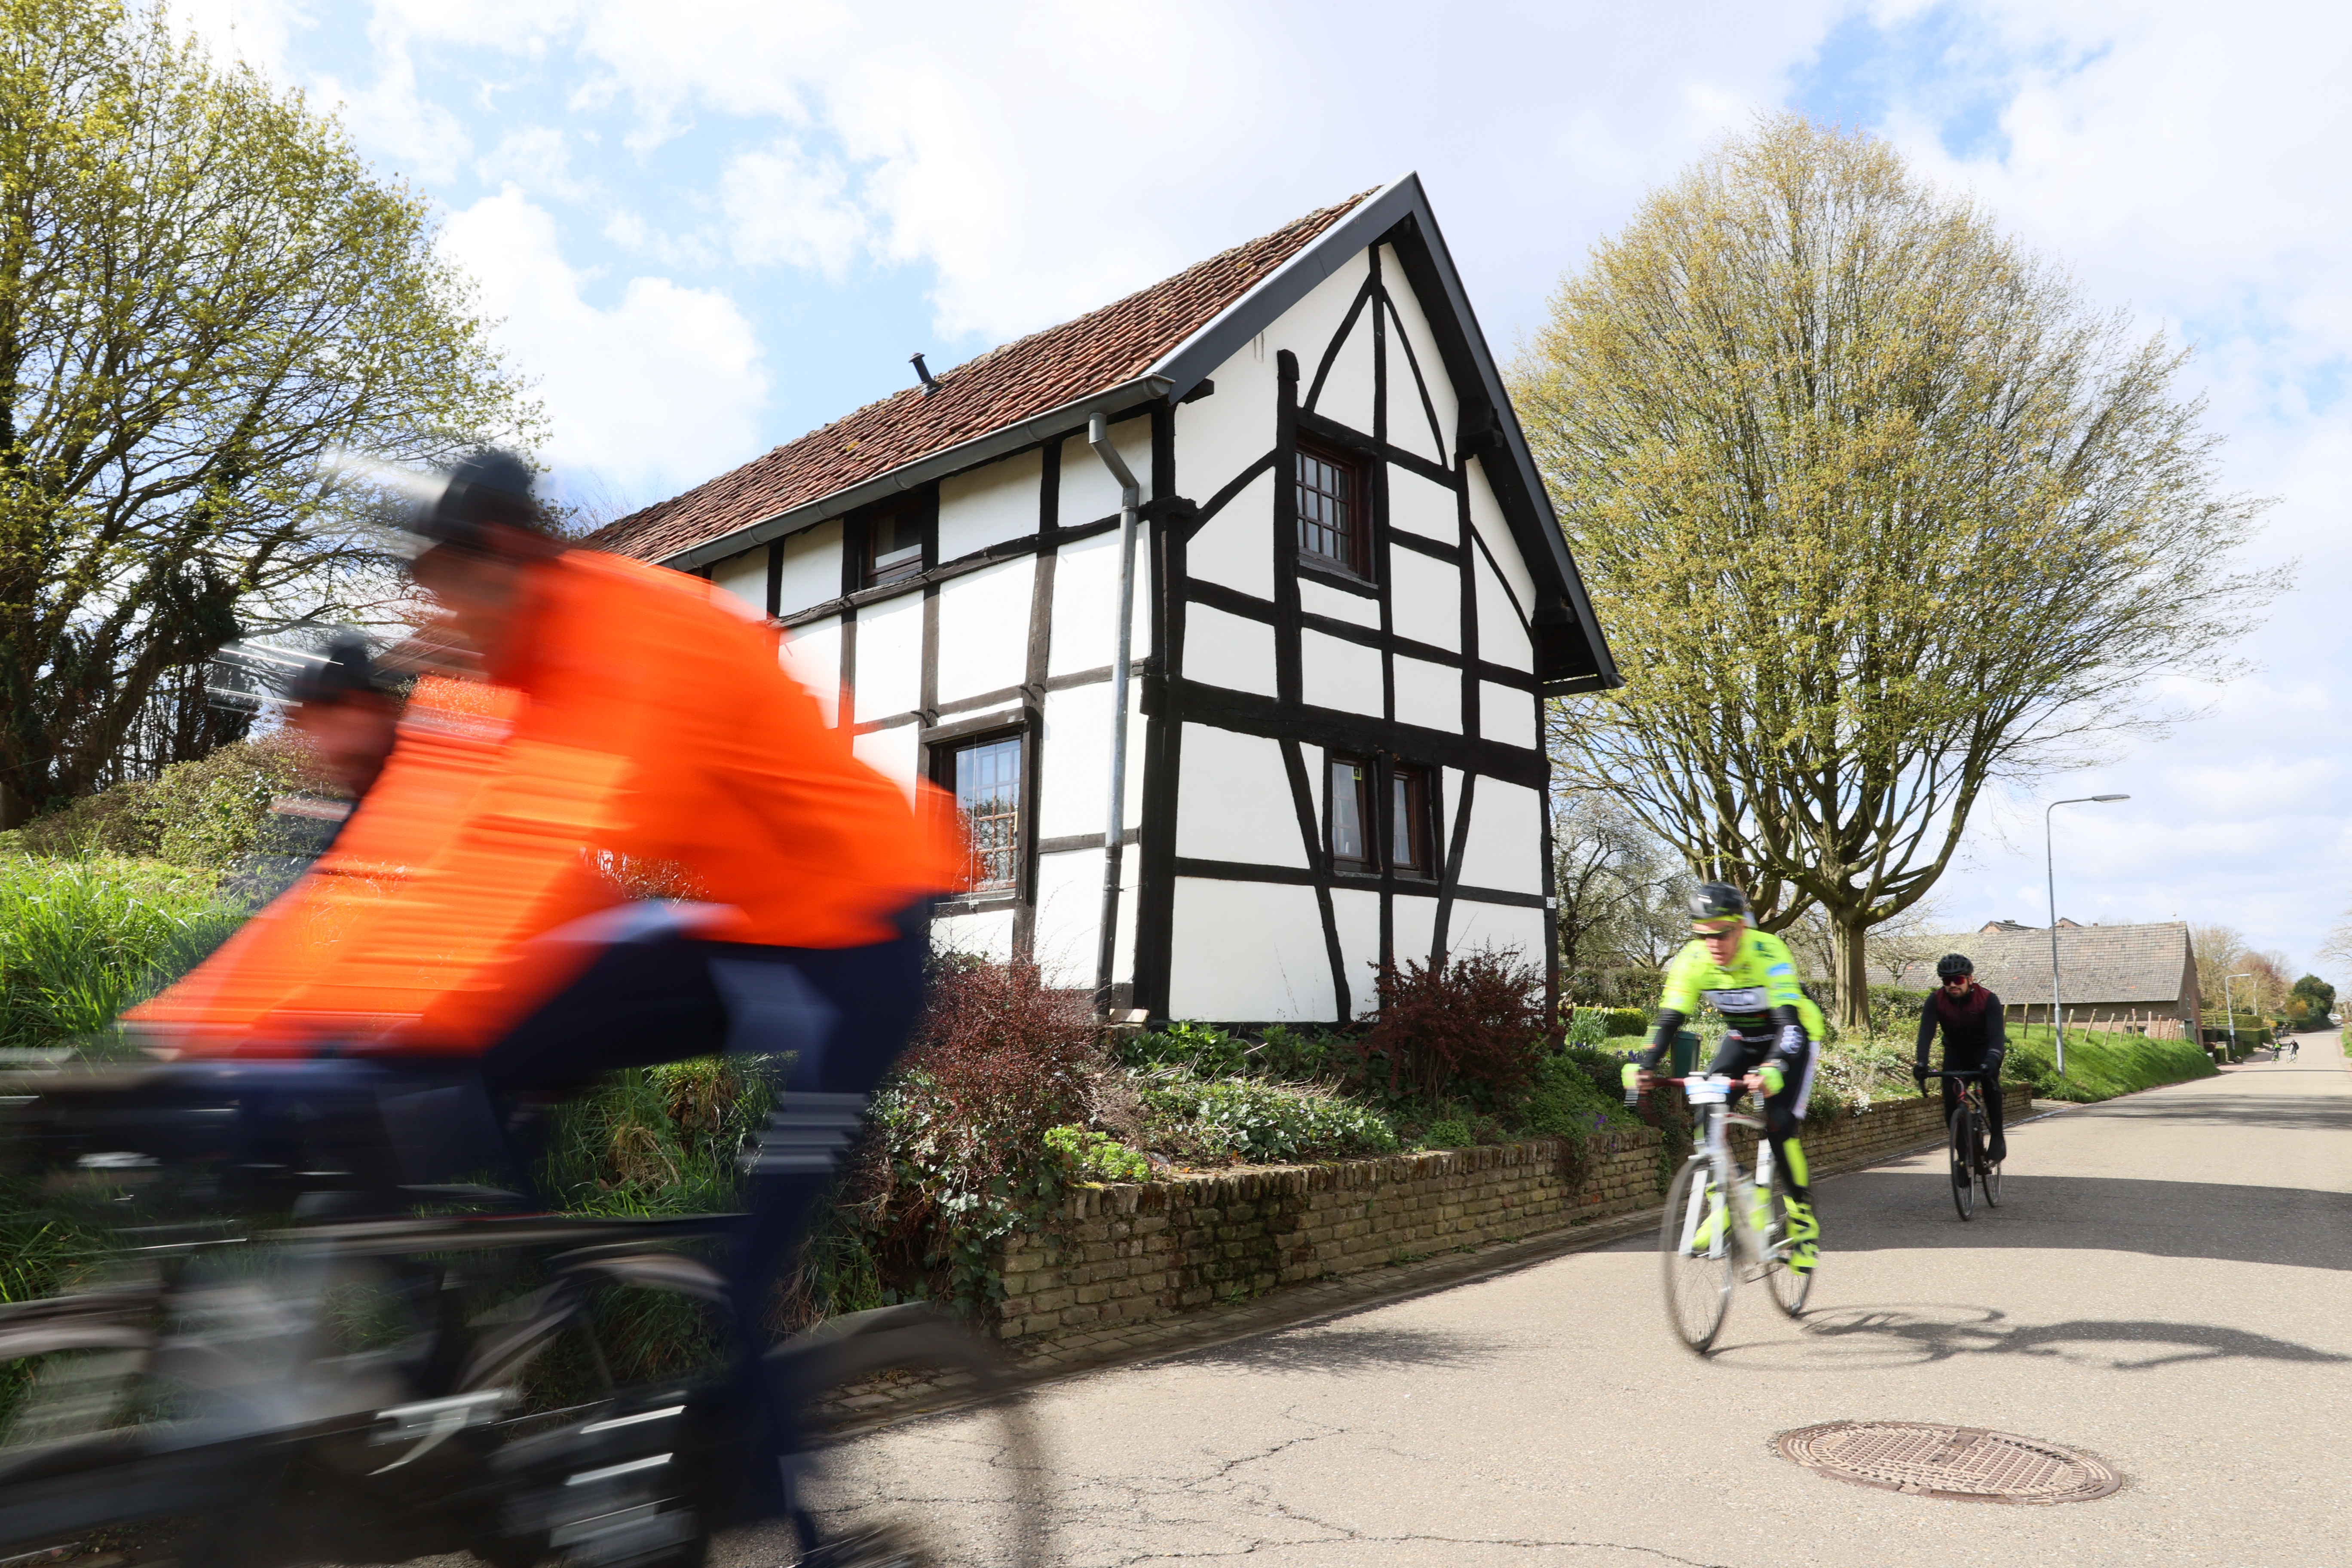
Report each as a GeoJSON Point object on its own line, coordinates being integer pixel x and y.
{"type": "Point", "coordinates": [988, 789]}
{"type": "Point", "coordinates": [1351, 815]}
{"type": "Point", "coordinates": [894, 546]}
{"type": "Point", "coordinates": [1331, 514]}
{"type": "Point", "coordinates": [1409, 822]}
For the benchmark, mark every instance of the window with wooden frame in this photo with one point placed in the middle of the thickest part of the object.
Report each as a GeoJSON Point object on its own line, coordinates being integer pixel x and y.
{"type": "Point", "coordinates": [986, 778]}
{"type": "Point", "coordinates": [1334, 521]}
{"type": "Point", "coordinates": [1409, 822]}
{"type": "Point", "coordinates": [894, 546]}
{"type": "Point", "coordinates": [1350, 812]}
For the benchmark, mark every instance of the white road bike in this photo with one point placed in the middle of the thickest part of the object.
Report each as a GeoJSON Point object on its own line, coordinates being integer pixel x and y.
{"type": "Point", "coordinates": [1721, 1227]}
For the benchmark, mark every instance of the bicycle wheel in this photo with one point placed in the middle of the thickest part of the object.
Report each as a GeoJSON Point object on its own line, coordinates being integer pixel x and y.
{"type": "Point", "coordinates": [1790, 1286]}
{"type": "Point", "coordinates": [976, 1466]}
{"type": "Point", "coordinates": [88, 1426]}
{"type": "Point", "coordinates": [1695, 1246]}
{"type": "Point", "coordinates": [1964, 1185]}
{"type": "Point", "coordinates": [1987, 1169]}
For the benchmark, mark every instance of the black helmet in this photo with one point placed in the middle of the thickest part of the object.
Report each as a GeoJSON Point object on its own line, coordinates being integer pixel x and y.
{"type": "Point", "coordinates": [346, 670]}
{"type": "Point", "coordinates": [1953, 963]}
{"type": "Point", "coordinates": [484, 487]}
{"type": "Point", "coordinates": [1718, 901]}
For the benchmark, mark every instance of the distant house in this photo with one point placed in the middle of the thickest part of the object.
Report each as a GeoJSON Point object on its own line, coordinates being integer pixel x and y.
{"type": "Point", "coordinates": [1353, 598]}
{"type": "Point", "coordinates": [2140, 979]}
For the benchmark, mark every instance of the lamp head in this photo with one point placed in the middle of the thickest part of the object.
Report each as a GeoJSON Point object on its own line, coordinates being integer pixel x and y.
{"type": "Point", "coordinates": [2111, 798]}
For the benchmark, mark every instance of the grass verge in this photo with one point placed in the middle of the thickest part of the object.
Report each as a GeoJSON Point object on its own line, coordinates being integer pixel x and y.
{"type": "Point", "coordinates": [2099, 1065]}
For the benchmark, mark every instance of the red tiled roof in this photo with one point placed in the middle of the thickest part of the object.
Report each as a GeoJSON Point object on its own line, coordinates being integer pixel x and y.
{"type": "Point", "coordinates": [1016, 381]}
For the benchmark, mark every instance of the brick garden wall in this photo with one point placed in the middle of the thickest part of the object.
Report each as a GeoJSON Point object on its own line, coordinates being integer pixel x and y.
{"type": "Point", "coordinates": [1133, 1252]}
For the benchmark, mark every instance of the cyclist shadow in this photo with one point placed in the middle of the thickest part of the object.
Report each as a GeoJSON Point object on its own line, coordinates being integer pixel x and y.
{"type": "Point", "coordinates": [1920, 1335]}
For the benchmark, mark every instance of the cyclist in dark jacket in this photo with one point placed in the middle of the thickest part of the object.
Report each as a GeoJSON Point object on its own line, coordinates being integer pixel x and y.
{"type": "Point", "coordinates": [1976, 1039]}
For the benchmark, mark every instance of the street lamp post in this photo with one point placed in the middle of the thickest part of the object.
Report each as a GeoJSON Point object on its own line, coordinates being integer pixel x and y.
{"type": "Point", "coordinates": [2232, 1008]}
{"type": "Point", "coordinates": [2050, 865]}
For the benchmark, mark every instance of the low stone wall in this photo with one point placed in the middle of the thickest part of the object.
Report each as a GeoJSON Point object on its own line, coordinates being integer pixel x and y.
{"type": "Point", "coordinates": [1133, 1252]}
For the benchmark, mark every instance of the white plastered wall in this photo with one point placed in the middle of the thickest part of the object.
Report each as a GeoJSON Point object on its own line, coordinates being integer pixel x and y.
{"type": "Point", "coordinates": [1085, 603]}
{"type": "Point", "coordinates": [746, 577]}
{"type": "Point", "coordinates": [1232, 801]}
{"type": "Point", "coordinates": [1499, 926]}
{"type": "Point", "coordinates": [1069, 917]}
{"type": "Point", "coordinates": [890, 667]}
{"type": "Point", "coordinates": [893, 752]}
{"type": "Point", "coordinates": [1507, 715]}
{"type": "Point", "coordinates": [1347, 394]}
{"type": "Point", "coordinates": [1429, 695]}
{"type": "Point", "coordinates": [1088, 493]}
{"type": "Point", "coordinates": [989, 505]}
{"type": "Point", "coordinates": [1487, 519]}
{"type": "Point", "coordinates": [1425, 600]}
{"type": "Point", "coordinates": [1341, 675]}
{"type": "Point", "coordinates": [984, 629]}
{"type": "Point", "coordinates": [1248, 951]}
{"type": "Point", "coordinates": [1413, 926]}
{"type": "Point", "coordinates": [1421, 506]}
{"type": "Point", "coordinates": [1074, 786]}
{"type": "Point", "coordinates": [988, 934]}
{"type": "Point", "coordinates": [812, 656]}
{"type": "Point", "coordinates": [1504, 850]}
{"type": "Point", "coordinates": [1235, 548]}
{"type": "Point", "coordinates": [1321, 599]}
{"type": "Point", "coordinates": [1226, 650]}
{"type": "Point", "coordinates": [1408, 420]}
{"type": "Point", "coordinates": [1356, 915]}
{"type": "Point", "coordinates": [811, 569]}
{"type": "Point", "coordinates": [1305, 329]}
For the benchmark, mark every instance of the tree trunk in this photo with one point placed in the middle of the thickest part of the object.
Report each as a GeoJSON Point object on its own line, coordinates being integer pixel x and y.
{"type": "Point", "coordinates": [1853, 976]}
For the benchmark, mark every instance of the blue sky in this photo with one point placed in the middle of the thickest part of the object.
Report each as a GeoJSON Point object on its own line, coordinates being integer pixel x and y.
{"type": "Point", "coordinates": [710, 227]}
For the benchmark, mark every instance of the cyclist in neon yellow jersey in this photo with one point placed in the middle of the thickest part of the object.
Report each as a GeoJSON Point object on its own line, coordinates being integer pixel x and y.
{"type": "Point", "coordinates": [1771, 1029]}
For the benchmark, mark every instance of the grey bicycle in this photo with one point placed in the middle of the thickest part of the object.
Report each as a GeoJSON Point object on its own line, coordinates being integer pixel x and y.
{"type": "Point", "coordinates": [1721, 1226]}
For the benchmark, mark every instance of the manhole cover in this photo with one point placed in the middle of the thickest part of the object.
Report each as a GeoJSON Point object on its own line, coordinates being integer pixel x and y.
{"type": "Point", "coordinates": [1968, 1463]}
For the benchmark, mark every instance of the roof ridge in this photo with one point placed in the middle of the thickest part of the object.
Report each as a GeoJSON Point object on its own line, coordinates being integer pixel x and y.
{"type": "Point", "coordinates": [1030, 375]}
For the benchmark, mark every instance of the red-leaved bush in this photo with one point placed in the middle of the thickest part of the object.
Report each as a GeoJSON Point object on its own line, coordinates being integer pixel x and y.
{"type": "Point", "coordinates": [1476, 1019]}
{"type": "Point", "coordinates": [960, 1159]}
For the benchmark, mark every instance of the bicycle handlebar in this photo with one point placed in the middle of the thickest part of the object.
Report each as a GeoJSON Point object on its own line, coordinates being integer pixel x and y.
{"type": "Point", "coordinates": [1944, 1072]}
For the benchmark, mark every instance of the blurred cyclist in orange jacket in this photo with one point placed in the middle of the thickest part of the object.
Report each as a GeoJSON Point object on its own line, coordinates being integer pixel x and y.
{"type": "Point", "coordinates": [483, 916]}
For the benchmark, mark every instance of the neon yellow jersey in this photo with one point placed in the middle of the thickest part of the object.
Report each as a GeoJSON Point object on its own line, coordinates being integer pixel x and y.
{"type": "Point", "coordinates": [1760, 978]}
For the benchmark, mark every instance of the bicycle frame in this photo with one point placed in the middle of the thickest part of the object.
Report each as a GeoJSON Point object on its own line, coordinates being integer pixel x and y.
{"type": "Point", "coordinates": [1709, 1096]}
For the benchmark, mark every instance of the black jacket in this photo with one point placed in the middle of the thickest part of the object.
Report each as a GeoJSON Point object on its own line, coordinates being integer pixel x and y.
{"type": "Point", "coordinates": [1965, 1049]}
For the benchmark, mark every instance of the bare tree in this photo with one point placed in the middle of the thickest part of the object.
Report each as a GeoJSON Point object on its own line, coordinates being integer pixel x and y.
{"type": "Point", "coordinates": [1877, 512]}
{"type": "Point", "coordinates": [1620, 892]}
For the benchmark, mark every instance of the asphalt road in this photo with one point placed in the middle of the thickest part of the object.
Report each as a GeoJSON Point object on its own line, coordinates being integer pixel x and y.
{"type": "Point", "coordinates": [2164, 1286]}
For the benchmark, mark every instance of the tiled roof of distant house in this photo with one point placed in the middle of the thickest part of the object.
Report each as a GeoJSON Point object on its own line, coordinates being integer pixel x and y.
{"type": "Point", "coordinates": [1020, 380]}
{"type": "Point", "coordinates": [2125, 966]}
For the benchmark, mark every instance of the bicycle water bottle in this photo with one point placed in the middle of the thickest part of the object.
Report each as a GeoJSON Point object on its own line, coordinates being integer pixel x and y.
{"type": "Point", "coordinates": [1630, 1078]}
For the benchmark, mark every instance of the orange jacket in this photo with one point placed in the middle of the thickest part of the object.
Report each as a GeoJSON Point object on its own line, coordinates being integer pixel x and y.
{"type": "Point", "coordinates": [642, 740]}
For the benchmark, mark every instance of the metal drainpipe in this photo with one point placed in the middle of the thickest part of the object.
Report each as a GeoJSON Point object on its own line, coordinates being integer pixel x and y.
{"type": "Point", "coordinates": [1115, 820]}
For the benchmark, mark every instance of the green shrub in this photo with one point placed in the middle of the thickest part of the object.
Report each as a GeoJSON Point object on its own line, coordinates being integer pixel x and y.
{"type": "Point", "coordinates": [1292, 1055]}
{"type": "Point", "coordinates": [1451, 1133]}
{"type": "Point", "coordinates": [1096, 1156]}
{"type": "Point", "coordinates": [1249, 1121]}
{"type": "Point", "coordinates": [202, 814]}
{"type": "Point", "coordinates": [1203, 1050]}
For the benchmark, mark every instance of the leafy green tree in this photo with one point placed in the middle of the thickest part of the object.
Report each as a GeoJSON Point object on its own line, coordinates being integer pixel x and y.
{"type": "Point", "coordinates": [1878, 513]}
{"type": "Point", "coordinates": [202, 290]}
{"type": "Point", "coordinates": [2309, 1002]}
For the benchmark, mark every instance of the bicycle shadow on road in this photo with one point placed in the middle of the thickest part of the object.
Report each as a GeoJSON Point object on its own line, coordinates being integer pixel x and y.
{"type": "Point", "coordinates": [1920, 1334]}
{"type": "Point", "coordinates": [1906, 1208]}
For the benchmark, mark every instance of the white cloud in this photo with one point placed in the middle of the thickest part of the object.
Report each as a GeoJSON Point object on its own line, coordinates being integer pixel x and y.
{"type": "Point", "coordinates": [656, 391]}
{"type": "Point", "coordinates": [538, 158]}
{"type": "Point", "coordinates": [782, 206]}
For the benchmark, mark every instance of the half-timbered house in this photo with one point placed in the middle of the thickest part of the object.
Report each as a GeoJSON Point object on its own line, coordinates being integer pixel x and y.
{"type": "Point", "coordinates": [1350, 597]}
